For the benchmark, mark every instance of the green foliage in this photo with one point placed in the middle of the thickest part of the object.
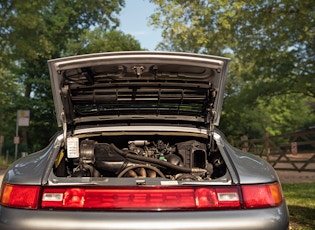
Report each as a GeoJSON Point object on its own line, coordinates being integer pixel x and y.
{"type": "Point", "coordinates": [193, 26]}
{"type": "Point", "coordinates": [98, 40]}
{"type": "Point", "coordinates": [277, 115]}
{"type": "Point", "coordinates": [33, 31]}
{"type": "Point", "coordinates": [272, 46]}
{"type": "Point", "coordinates": [8, 91]}
{"type": "Point", "coordinates": [271, 43]}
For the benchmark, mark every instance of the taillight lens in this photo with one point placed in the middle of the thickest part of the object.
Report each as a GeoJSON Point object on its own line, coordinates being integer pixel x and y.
{"type": "Point", "coordinates": [20, 196]}
{"type": "Point", "coordinates": [217, 197]}
{"type": "Point", "coordinates": [143, 198]}
{"type": "Point", "coordinates": [262, 196]}
{"type": "Point", "coordinates": [118, 198]}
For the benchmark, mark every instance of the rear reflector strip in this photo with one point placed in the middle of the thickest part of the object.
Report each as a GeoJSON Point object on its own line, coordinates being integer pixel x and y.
{"type": "Point", "coordinates": [141, 198]}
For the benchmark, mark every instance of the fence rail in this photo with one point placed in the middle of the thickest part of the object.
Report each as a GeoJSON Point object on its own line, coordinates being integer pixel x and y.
{"type": "Point", "coordinates": [288, 151]}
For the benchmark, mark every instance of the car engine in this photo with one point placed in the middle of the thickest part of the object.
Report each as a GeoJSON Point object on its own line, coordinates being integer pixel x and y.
{"type": "Point", "coordinates": [191, 160]}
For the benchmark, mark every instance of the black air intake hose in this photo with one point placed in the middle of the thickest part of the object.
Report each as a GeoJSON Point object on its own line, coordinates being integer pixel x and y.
{"type": "Point", "coordinates": [157, 161]}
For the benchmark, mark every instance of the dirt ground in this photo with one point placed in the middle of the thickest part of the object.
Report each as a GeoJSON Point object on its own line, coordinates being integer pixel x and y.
{"type": "Point", "coordinates": [293, 177]}
{"type": "Point", "coordinates": [1, 176]}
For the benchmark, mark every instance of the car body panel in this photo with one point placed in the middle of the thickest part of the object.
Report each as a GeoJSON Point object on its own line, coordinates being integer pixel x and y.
{"type": "Point", "coordinates": [164, 73]}
{"type": "Point", "coordinates": [272, 218]}
{"type": "Point", "coordinates": [31, 169]}
{"type": "Point", "coordinates": [250, 168]}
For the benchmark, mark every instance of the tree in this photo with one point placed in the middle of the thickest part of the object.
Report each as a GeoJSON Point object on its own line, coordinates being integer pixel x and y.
{"type": "Point", "coordinates": [271, 43]}
{"type": "Point", "coordinates": [98, 40]}
{"type": "Point", "coordinates": [33, 31]}
{"type": "Point", "coordinates": [278, 115]}
{"type": "Point", "coordinates": [192, 26]}
{"type": "Point", "coordinates": [8, 91]}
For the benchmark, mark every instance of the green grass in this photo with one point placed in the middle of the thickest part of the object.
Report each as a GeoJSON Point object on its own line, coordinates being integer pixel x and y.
{"type": "Point", "coordinates": [301, 203]}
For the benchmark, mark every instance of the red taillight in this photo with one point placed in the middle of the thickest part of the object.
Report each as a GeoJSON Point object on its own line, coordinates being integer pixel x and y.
{"type": "Point", "coordinates": [20, 196]}
{"type": "Point", "coordinates": [141, 198]}
{"type": "Point", "coordinates": [262, 196]}
{"type": "Point", "coordinates": [144, 198]}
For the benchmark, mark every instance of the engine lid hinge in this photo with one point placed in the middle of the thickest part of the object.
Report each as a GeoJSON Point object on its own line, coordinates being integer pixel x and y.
{"type": "Point", "coordinates": [64, 127]}
{"type": "Point", "coordinates": [68, 114]}
{"type": "Point", "coordinates": [211, 130]}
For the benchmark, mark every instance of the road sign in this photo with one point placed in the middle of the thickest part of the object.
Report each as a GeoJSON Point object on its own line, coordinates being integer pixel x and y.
{"type": "Point", "coordinates": [16, 140]}
{"type": "Point", "coordinates": [23, 117]}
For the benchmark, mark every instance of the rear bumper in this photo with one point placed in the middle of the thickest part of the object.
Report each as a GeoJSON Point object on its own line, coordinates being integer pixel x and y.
{"type": "Point", "coordinates": [272, 218]}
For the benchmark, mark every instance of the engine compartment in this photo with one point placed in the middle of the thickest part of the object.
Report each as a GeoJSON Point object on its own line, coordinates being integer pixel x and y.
{"type": "Point", "coordinates": [179, 158]}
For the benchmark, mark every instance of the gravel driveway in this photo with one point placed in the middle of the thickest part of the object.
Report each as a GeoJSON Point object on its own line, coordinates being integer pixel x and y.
{"type": "Point", "coordinates": [292, 177]}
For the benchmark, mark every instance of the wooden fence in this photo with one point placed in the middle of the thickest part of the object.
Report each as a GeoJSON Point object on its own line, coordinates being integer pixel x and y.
{"type": "Point", "coordinates": [288, 151]}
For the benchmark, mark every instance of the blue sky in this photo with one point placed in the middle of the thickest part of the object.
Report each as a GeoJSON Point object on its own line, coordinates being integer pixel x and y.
{"type": "Point", "coordinates": [134, 19]}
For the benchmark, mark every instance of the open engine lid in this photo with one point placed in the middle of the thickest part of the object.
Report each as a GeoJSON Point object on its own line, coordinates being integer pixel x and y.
{"type": "Point", "coordinates": [138, 85]}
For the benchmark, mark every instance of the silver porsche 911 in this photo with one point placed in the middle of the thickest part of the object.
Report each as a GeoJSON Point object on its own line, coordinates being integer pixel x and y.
{"type": "Point", "coordinates": [139, 149]}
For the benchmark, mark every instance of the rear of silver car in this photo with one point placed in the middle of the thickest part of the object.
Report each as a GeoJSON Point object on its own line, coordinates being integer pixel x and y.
{"type": "Point", "coordinates": [245, 220]}
{"type": "Point", "coordinates": [139, 151]}
{"type": "Point", "coordinates": [140, 203]}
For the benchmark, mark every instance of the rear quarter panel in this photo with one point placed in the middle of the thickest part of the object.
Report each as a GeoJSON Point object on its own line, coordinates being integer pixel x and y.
{"type": "Point", "coordinates": [250, 169]}
{"type": "Point", "coordinates": [32, 169]}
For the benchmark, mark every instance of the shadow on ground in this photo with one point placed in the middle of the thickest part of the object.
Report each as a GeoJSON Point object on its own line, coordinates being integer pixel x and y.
{"type": "Point", "coordinates": [302, 216]}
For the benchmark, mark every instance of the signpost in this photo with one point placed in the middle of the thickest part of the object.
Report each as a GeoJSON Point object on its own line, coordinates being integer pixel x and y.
{"type": "Point", "coordinates": [22, 119]}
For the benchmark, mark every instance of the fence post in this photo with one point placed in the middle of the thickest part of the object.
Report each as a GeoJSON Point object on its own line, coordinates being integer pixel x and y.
{"type": "Point", "coordinates": [245, 145]}
{"type": "Point", "coordinates": [267, 147]}
{"type": "Point", "coordinates": [294, 149]}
